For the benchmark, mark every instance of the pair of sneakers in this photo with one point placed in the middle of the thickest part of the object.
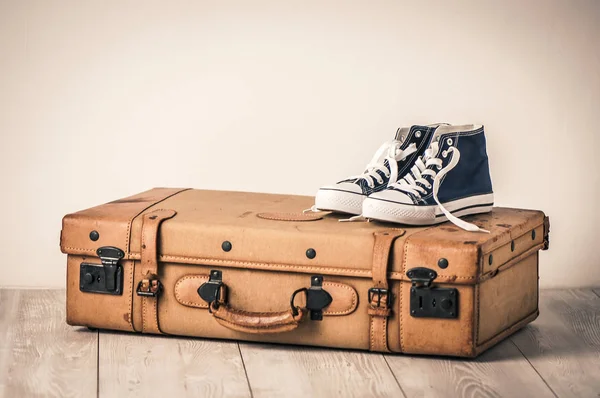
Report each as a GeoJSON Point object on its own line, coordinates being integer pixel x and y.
{"type": "Point", "coordinates": [425, 176]}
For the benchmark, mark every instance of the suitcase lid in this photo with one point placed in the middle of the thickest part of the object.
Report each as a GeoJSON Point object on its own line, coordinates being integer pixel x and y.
{"type": "Point", "coordinates": [269, 232]}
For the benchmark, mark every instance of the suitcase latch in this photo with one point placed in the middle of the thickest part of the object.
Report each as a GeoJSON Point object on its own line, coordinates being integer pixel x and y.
{"type": "Point", "coordinates": [211, 290]}
{"type": "Point", "coordinates": [427, 301]}
{"type": "Point", "coordinates": [317, 298]}
{"type": "Point", "coordinates": [106, 278]}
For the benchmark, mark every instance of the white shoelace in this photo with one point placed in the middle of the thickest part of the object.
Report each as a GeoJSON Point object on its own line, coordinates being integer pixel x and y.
{"type": "Point", "coordinates": [391, 152]}
{"type": "Point", "coordinates": [421, 169]}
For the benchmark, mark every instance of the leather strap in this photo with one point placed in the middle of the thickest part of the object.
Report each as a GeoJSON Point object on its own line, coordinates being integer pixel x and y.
{"type": "Point", "coordinates": [379, 295]}
{"type": "Point", "coordinates": [149, 267]}
{"type": "Point", "coordinates": [257, 322]}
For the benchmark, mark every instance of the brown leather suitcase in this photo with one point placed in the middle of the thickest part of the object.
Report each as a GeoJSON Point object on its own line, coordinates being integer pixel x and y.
{"type": "Point", "coordinates": [250, 266]}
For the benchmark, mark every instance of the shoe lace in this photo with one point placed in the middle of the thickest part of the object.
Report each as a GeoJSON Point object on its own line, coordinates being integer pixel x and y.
{"type": "Point", "coordinates": [392, 153]}
{"type": "Point", "coordinates": [421, 169]}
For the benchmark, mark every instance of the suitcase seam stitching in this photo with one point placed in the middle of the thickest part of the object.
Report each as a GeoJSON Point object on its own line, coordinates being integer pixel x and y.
{"type": "Point", "coordinates": [352, 305]}
{"type": "Point", "coordinates": [189, 303]}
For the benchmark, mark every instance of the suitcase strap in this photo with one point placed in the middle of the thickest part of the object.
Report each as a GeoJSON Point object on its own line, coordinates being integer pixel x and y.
{"type": "Point", "coordinates": [380, 298]}
{"type": "Point", "coordinates": [150, 287]}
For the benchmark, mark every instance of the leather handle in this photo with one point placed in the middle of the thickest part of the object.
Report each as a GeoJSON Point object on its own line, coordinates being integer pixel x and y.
{"type": "Point", "coordinates": [256, 322]}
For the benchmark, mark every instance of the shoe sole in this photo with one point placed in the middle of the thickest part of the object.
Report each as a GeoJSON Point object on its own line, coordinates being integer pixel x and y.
{"type": "Point", "coordinates": [339, 201]}
{"type": "Point", "coordinates": [386, 210]}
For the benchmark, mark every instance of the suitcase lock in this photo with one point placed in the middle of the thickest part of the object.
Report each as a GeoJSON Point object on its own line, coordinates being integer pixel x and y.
{"type": "Point", "coordinates": [427, 301]}
{"type": "Point", "coordinates": [106, 278]}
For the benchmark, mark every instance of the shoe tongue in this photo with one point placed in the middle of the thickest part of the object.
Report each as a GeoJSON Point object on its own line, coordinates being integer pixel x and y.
{"type": "Point", "coordinates": [402, 131]}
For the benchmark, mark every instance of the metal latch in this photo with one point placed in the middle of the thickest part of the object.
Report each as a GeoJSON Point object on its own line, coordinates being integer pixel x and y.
{"type": "Point", "coordinates": [427, 301]}
{"type": "Point", "coordinates": [316, 298]}
{"type": "Point", "coordinates": [211, 290]}
{"type": "Point", "coordinates": [106, 278]}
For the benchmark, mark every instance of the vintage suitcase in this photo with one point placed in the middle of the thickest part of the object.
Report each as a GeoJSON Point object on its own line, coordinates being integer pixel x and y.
{"type": "Point", "coordinates": [250, 266]}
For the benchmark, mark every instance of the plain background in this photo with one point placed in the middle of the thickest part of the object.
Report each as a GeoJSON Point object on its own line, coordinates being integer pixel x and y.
{"type": "Point", "coordinates": [103, 99]}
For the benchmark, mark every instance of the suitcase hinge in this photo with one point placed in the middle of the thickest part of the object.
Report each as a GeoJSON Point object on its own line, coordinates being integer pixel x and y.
{"type": "Point", "coordinates": [107, 278]}
{"type": "Point", "coordinates": [427, 301]}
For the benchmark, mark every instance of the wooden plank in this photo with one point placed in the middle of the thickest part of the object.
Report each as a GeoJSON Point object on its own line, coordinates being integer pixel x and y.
{"type": "Point", "coordinates": [563, 344]}
{"type": "Point", "coordinates": [161, 366]}
{"type": "Point", "coordinates": [285, 371]}
{"type": "Point", "coordinates": [41, 354]}
{"type": "Point", "coordinates": [500, 372]}
{"type": "Point", "coordinates": [9, 300]}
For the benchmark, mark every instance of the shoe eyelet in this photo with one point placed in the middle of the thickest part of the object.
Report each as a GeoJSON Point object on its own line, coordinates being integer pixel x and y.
{"type": "Point", "coordinates": [449, 141]}
{"type": "Point", "coordinates": [444, 154]}
{"type": "Point", "coordinates": [428, 186]}
{"type": "Point", "coordinates": [418, 134]}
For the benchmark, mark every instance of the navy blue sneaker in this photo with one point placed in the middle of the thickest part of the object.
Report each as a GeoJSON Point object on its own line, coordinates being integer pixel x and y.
{"type": "Point", "coordinates": [390, 163]}
{"type": "Point", "coordinates": [451, 179]}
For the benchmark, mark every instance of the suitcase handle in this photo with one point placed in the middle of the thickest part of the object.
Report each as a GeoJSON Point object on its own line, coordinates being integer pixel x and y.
{"type": "Point", "coordinates": [256, 322]}
{"type": "Point", "coordinates": [214, 291]}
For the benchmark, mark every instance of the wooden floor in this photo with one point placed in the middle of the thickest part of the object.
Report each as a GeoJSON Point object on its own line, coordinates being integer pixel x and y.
{"type": "Point", "coordinates": [40, 355]}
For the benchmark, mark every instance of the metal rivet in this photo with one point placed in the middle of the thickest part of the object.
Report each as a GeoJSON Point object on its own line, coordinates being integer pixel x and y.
{"type": "Point", "coordinates": [94, 235]}
{"type": "Point", "coordinates": [311, 253]}
{"type": "Point", "coordinates": [533, 235]}
{"type": "Point", "coordinates": [413, 312]}
{"type": "Point", "coordinates": [88, 278]}
{"type": "Point", "coordinates": [418, 134]}
{"type": "Point", "coordinates": [490, 259]}
{"type": "Point", "coordinates": [443, 263]}
{"type": "Point", "coordinates": [226, 246]}
{"type": "Point", "coordinates": [512, 246]}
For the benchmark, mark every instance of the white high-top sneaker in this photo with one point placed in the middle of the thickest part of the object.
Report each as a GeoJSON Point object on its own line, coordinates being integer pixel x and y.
{"type": "Point", "coordinates": [451, 180]}
{"type": "Point", "coordinates": [391, 161]}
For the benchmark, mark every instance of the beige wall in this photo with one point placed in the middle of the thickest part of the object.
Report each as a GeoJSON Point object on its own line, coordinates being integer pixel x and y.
{"type": "Point", "coordinates": [101, 99]}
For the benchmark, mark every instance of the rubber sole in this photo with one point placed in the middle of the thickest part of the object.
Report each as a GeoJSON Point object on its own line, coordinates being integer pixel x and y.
{"type": "Point", "coordinates": [385, 210]}
{"type": "Point", "coordinates": [339, 201]}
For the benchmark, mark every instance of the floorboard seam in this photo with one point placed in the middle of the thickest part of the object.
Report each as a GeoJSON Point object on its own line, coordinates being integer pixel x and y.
{"type": "Point", "coordinates": [533, 367]}
{"type": "Point", "coordinates": [98, 363]}
{"type": "Point", "coordinates": [394, 374]}
{"type": "Point", "coordinates": [245, 371]}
